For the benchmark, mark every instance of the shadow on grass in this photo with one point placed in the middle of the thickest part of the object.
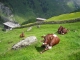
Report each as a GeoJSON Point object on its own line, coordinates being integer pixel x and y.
{"type": "Point", "coordinates": [39, 49]}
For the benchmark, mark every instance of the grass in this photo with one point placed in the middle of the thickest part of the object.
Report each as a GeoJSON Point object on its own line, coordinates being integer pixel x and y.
{"type": "Point", "coordinates": [65, 17]}
{"type": "Point", "coordinates": [67, 49]}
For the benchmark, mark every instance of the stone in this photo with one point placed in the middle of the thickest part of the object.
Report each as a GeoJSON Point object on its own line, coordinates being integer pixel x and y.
{"type": "Point", "coordinates": [26, 42]}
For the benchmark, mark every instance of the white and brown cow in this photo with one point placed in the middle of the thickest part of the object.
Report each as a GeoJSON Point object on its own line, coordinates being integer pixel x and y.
{"type": "Point", "coordinates": [49, 41]}
{"type": "Point", "coordinates": [62, 30]}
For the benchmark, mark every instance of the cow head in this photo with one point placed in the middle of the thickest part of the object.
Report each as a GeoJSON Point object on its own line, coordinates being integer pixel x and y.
{"type": "Point", "coordinates": [64, 31]}
{"type": "Point", "coordinates": [44, 41]}
{"type": "Point", "coordinates": [47, 40]}
{"type": "Point", "coordinates": [60, 29]}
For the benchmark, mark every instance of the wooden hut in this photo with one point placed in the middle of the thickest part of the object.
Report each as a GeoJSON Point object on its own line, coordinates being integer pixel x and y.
{"type": "Point", "coordinates": [10, 25]}
{"type": "Point", "coordinates": [39, 20]}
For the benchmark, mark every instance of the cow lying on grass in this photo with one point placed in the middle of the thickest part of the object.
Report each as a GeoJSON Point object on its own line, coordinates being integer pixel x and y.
{"type": "Point", "coordinates": [22, 35]}
{"type": "Point", "coordinates": [62, 30]}
{"type": "Point", "coordinates": [25, 42]}
{"type": "Point", "coordinates": [49, 41]}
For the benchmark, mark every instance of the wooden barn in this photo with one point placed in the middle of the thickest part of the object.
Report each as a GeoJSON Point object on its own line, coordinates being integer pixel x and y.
{"type": "Point", "coordinates": [10, 25]}
{"type": "Point", "coordinates": [39, 20]}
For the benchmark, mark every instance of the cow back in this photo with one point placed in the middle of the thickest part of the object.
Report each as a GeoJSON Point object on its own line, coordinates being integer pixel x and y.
{"type": "Point", "coordinates": [48, 38]}
{"type": "Point", "coordinates": [51, 39]}
{"type": "Point", "coordinates": [64, 30]}
{"type": "Point", "coordinates": [54, 41]}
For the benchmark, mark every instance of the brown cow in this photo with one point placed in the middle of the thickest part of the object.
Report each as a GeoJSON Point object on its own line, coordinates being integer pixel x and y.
{"type": "Point", "coordinates": [49, 41]}
{"type": "Point", "coordinates": [62, 30]}
{"type": "Point", "coordinates": [22, 35]}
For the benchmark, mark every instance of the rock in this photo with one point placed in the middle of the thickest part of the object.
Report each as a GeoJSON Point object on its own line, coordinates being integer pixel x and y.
{"type": "Point", "coordinates": [26, 42]}
{"type": "Point", "coordinates": [29, 28]}
{"type": "Point", "coordinates": [38, 26]}
{"type": "Point", "coordinates": [4, 9]}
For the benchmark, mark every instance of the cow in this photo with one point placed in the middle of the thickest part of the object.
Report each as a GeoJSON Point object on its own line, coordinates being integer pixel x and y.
{"type": "Point", "coordinates": [62, 30]}
{"type": "Point", "coordinates": [49, 41]}
{"type": "Point", "coordinates": [22, 35]}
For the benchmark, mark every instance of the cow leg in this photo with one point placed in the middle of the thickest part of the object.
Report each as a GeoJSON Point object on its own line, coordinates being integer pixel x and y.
{"type": "Point", "coordinates": [47, 47]}
{"type": "Point", "coordinates": [43, 46]}
{"type": "Point", "coordinates": [44, 50]}
{"type": "Point", "coordinates": [62, 33]}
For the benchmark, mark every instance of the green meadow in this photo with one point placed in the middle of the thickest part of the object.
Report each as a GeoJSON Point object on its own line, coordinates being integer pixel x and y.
{"type": "Point", "coordinates": [68, 16]}
{"type": "Point", "coordinates": [67, 49]}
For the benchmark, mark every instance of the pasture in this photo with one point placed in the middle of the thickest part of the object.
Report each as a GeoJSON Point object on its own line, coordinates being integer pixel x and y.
{"type": "Point", "coordinates": [61, 17]}
{"type": "Point", "coordinates": [67, 49]}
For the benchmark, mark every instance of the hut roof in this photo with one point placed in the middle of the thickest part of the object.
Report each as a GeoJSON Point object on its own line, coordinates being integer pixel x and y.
{"type": "Point", "coordinates": [11, 24]}
{"type": "Point", "coordinates": [42, 19]}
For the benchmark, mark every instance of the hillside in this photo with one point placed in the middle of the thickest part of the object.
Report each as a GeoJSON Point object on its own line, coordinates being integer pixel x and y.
{"type": "Point", "coordinates": [67, 49]}
{"type": "Point", "coordinates": [78, 10]}
{"type": "Point", "coordinates": [63, 18]}
{"type": "Point", "coordinates": [69, 16]}
{"type": "Point", "coordinates": [28, 10]}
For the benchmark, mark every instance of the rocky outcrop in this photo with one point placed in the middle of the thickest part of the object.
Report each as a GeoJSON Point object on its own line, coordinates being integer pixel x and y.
{"type": "Point", "coordinates": [26, 42]}
{"type": "Point", "coordinates": [6, 13]}
{"type": "Point", "coordinates": [5, 10]}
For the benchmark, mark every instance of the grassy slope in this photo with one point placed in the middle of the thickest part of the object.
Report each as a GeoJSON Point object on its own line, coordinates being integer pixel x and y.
{"type": "Point", "coordinates": [65, 16]}
{"type": "Point", "coordinates": [67, 49]}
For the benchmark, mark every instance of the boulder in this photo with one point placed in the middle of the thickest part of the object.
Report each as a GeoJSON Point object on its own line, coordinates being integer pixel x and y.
{"type": "Point", "coordinates": [26, 42]}
{"type": "Point", "coordinates": [29, 28]}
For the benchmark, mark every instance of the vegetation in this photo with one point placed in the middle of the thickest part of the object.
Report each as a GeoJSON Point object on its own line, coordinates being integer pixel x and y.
{"type": "Point", "coordinates": [78, 10]}
{"type": "Point", "coordinates": [25, 10]}
{"type": "Point", "coordinates": [69, 16]}
{"type": "Point", "coordinates": [67, 49]}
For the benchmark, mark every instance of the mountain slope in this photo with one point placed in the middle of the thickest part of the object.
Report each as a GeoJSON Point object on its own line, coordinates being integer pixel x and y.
{"type": "Point", "coordinates": [25, 10]}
